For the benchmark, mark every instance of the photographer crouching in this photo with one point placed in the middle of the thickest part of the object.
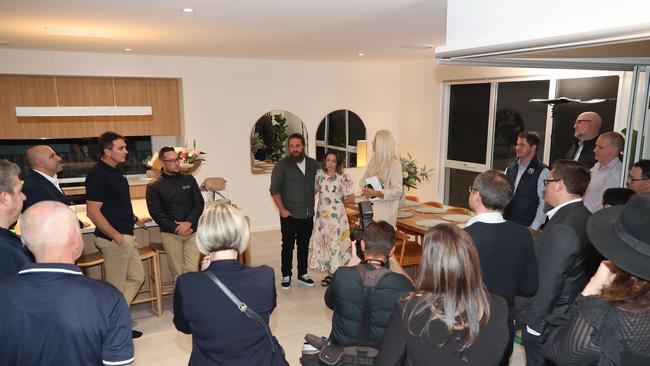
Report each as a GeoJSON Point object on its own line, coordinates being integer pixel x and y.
{"type": "Point", "coordinates": [364, 294]}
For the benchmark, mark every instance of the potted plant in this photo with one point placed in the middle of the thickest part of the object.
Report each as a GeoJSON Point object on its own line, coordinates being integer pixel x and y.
{"type": "Point", "coordinates": [279, 123]}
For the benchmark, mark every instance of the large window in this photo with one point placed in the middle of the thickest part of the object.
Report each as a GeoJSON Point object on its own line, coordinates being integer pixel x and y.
{"type": "Point", "coordinates": [340, 131]}
{"type": "Point", "coordinates": [469, 111]}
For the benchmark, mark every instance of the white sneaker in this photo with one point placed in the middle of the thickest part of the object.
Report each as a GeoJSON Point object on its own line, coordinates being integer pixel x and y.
{"type": "Point", "coordinates": [286, 282]}
{"type": "Point", "coordinates": [306, 280]}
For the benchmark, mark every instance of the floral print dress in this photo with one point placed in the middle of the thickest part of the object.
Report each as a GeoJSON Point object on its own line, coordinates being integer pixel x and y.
{"type": "Point", "coordinates": [330, 240]}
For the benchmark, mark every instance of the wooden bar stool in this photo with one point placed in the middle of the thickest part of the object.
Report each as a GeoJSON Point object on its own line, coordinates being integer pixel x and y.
{"type": "Point", "coordinates": [91, 260]}
{"type": "Point", "coordinates": [159, 249]}
{"type": "Point", "coordinates": [155, 290]}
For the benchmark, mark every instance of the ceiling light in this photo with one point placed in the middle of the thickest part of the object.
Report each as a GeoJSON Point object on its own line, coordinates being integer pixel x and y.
{"type": "Point", "coordinates": [360, 54]}
{"type": "Point", "coordinates": [53, 31]}
{"type": "Point", "coordinates": [127, 49]}
{"type": "Point", "coordinates": [188, 10]}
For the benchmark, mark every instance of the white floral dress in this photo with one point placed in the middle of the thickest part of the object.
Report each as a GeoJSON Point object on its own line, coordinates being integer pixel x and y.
{"type": "Point", "coordinates": [330, 240]}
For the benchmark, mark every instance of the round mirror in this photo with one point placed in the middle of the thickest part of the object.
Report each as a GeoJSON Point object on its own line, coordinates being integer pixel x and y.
{"type": "Point", "coordinates": [344, 132]}
{"type": "Point", "coordinates": [268, 140]}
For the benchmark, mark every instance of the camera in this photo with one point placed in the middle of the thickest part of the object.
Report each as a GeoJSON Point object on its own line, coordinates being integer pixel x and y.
{"type": "Point", "coordinates": [365, 219]}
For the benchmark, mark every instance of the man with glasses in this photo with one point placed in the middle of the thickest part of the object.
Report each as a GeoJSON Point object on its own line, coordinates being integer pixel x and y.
{"type": "Point", "coordinates": [174, 201]}
{"type": "Point", "coordinates": [562, 251]}
{"type": "Point", "coordinates": [586, 129]}
{"type": "Point", "coordinates": [638, 179]}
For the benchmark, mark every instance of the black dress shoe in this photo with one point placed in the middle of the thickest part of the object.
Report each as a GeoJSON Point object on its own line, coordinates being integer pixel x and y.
{"type": "Point", "coordinates": [135, 334]}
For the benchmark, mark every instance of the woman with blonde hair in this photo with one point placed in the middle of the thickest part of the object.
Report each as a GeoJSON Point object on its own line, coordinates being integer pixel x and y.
{"type": "Point", "coordinates": [221, 333]}
{"type": "Point", "coordinates": [450, 318]}
{"type": "Point", "coordinates": [385, 165]}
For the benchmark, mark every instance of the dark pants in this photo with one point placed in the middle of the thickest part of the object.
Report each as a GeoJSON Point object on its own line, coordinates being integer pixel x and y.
{"type": "Point", "coordinates": [534, 346]}
{"type": "Point", "coordinates": [295, 231]}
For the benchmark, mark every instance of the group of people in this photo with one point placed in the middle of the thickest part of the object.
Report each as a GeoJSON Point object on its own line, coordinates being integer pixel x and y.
{"type": "Point", "coordinates": [515, 264]}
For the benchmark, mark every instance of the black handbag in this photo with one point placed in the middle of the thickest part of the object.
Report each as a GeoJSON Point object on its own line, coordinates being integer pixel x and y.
{"type": "Point", "coordinates": [362, 355]}
{"type": "Point", "coordinates": [278, 352]}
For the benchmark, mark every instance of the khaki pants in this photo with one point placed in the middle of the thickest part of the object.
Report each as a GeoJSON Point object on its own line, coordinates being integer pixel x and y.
{"type": "Point", "coordinates": [123, 267]}
{"type": "Point", "coordinates": [182, 254]}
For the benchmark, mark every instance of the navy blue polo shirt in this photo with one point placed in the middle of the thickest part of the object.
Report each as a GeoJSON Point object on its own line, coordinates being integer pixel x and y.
{"type": "Point", "coordinates": [51, 314]}
{"type": "Point", "coordinates": [12, 254]}
{"type": "Point", "coordinates": [109, 185]}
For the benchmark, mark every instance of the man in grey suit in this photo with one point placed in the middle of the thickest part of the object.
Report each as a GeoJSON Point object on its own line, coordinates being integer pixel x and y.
{"type": "Point", "coordinates": [563, 251]}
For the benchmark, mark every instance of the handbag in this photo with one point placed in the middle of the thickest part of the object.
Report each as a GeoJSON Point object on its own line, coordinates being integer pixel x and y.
{"type": "Point", "coordinates": [333, 355]}
{"type": "Point", "coordinates": [278, 351]}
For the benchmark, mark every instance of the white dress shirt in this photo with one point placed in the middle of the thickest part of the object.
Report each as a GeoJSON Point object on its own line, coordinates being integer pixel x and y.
{"type": "Point", "coordinates": [492, 217]}
{"type": "Point", "coordinates": [52, 180]}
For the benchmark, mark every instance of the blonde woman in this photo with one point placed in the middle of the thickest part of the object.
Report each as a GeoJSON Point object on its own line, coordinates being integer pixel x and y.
{"type": "Point", "coordinates": [385, 165]}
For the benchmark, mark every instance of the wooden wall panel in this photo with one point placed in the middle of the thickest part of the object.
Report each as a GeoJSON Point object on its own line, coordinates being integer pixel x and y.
{"type": "Point", "coordinates": [132, 92]}
{"type": "Point", "coordinates": [165, 101]}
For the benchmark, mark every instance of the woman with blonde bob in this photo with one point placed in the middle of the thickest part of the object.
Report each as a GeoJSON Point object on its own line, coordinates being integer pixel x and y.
{"type": "Point", "coordinates": [221, 334]}
{"type": "Point", "coordinates": [385, 165]}
{"type": "Point", "coordinates": [450, 318]}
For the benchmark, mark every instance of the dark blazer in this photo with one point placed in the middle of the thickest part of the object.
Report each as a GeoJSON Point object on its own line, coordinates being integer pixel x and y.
{"type": "Point", "coordinates": [404, 346]}
{"type": "Point", "coordinates": [587, 156]}
{"type": "Point", "coordinates": [13, 256]}
{"type": "Point", "coordinates": [562, 251]}
{"type": "Point", "coordinates": [36, 188]}
{"type": "Point", "coordinates": [221, 334]}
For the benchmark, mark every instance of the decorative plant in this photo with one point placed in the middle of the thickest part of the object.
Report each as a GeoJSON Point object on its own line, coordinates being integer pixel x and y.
{"type": "Point", "coordinates": [411, 174]}
{"type": "Point", "coordinates": [189, 156]}
{"type": "Point", "coordinates": [279, 123]}
{"type": "Point", "coordinates": [256, 142]}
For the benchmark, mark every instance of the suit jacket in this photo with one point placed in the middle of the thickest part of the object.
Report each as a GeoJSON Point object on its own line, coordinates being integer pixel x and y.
{"type": "Point", "coordinates": [587, 156]}
{"type": "Point", "coordinates": [221, 334]}
{"type": "Point", "coordinates": [37, 188]}
{"type": "Point", "coordinates": [562, 250]}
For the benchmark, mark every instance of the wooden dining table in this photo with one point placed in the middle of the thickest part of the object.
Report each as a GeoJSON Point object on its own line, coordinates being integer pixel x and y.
{"type": "Point", "coordinates": [409, 225]}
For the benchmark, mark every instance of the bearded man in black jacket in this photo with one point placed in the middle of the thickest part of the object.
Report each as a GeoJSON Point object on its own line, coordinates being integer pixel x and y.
{"type": "Point", "coordinates": [175, 202]}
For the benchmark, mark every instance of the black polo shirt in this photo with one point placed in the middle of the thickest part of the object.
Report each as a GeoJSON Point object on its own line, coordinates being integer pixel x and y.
{"type": "Point", "coordinates": [109, 185]}
{"type": "Point", "coordinates": [51, 314]}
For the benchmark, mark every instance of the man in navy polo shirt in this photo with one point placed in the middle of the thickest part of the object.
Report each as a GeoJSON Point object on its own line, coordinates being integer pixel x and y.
{"type": "Point", "coordinates": [108, 206]}
{"type": "Point", "coordinates": [51, 314]}
{"type": "Point", "coordinates": [12, 253]}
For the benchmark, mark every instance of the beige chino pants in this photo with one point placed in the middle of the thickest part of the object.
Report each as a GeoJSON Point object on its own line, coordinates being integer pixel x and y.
{"type": "Point", "coordinates": [182, 254]}
{"type": "Point", "coordinates": [122, 264]}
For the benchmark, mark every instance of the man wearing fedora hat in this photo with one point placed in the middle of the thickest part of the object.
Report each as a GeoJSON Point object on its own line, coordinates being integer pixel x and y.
{"type": "Point", "coordinates": [562, 251]}
{"type": "Point", "coordinates": [611, 320]}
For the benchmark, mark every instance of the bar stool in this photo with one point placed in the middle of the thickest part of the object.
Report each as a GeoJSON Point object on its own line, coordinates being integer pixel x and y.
{"type": "Point", "coordinates": [159, 249]}
{"type": "Point", "coordinates": [155, 290]}
{"type": "Point", "coordinates": [92, 260]}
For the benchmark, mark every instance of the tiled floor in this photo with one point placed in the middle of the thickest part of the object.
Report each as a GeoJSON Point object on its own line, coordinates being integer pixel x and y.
{"type": "Point", "coordinates": [300, 310]}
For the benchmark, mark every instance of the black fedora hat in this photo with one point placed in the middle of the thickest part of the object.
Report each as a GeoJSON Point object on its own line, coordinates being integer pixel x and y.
{"type": "Point", "coordinates": [622, 235]}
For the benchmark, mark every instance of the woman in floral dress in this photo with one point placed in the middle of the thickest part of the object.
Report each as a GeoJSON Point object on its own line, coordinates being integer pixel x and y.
{"type": "Point", "coordinates": [330, 241]}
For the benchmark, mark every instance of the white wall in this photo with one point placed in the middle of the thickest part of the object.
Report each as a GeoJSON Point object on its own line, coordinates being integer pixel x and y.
{"type": "Point", "coordinates": [472, 23]}
{"type": "Point", "coordinates": [222, 99]}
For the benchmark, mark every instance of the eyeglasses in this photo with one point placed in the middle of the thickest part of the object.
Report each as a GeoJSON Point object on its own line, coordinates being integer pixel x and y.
{"type": "Point", "coordinates": [629, 177]}
{"type": "Point", "coordinates": [547, 181]}
{"type": "Point", "coordinates": [471, 189]}
{"type": "Point", "coordinates": [171, 160]}
{"type": "Point", "coordinates": [581, 121]}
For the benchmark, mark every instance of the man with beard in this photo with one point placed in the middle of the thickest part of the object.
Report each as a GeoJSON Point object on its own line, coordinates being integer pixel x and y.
{"type": "Point", "coordinates": [174, 201]}
{"type": "Point", "coordinates": [293, 189]}
{"type": "Point", "coordinates": [586, 129]}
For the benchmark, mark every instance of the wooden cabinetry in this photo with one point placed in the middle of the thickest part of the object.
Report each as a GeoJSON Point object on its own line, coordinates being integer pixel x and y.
{"type": "Point", "coordinates": [43, 90]}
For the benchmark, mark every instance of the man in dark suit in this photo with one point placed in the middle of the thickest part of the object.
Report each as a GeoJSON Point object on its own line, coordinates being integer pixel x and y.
{"type": "Point", "coordinates": [12, 253]}
{"type": "Point", "coordinates": [586, 129]}
{"type": "Point", "coordinates": [505, 248]}
{"type": "Point", "coordinates": [41, 183]}
{"type": "Point", "coordinates": [563, 251]}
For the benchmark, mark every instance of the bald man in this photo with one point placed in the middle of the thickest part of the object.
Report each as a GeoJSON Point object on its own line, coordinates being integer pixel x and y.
{"type": "Point", "coordinates": [586, 129]}
{"type": "Point", "coordinates": [607, 172]}
{"type": "Point", "coordinates": [51, 314]}
{"type": "Point", "coordinates": [41, 183]}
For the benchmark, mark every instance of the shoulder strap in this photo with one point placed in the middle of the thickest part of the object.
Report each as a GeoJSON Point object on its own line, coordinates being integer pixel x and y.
{"type": "Point", "coordinates": [250, 313]}
{"type": "Point", "coordinates": [369, 279]}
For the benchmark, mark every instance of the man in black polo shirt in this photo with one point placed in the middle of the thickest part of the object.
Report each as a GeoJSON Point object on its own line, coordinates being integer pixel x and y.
{"type": "Point", "coordinates": [51, 314]}
{"type": "Point", "coordinates": [505, 248]}
{"type": "Point", "coordinates": [293, 188]}
{"type": "Point", "coordinates": [108, 206]}
{"type": "Point", "coordinates": [12, 253]}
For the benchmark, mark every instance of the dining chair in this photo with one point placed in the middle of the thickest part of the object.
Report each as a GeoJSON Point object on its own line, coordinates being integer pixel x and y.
{"type": "Point", "coordinates": [434, 204]}
{"type": "Point", "coordinates": [411, 197]}
{"type": "Point", "coordinates": [408, 252]}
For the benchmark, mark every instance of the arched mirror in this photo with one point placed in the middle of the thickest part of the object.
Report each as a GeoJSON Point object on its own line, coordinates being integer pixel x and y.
{"type": "Point", "coordinates": [268, 139]}
{"type": "Point", "coordinates": [343, 131]}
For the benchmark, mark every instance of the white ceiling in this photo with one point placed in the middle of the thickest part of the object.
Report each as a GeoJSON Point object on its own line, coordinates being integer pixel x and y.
{"type": "Point", "coordinates": [327, 30]}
